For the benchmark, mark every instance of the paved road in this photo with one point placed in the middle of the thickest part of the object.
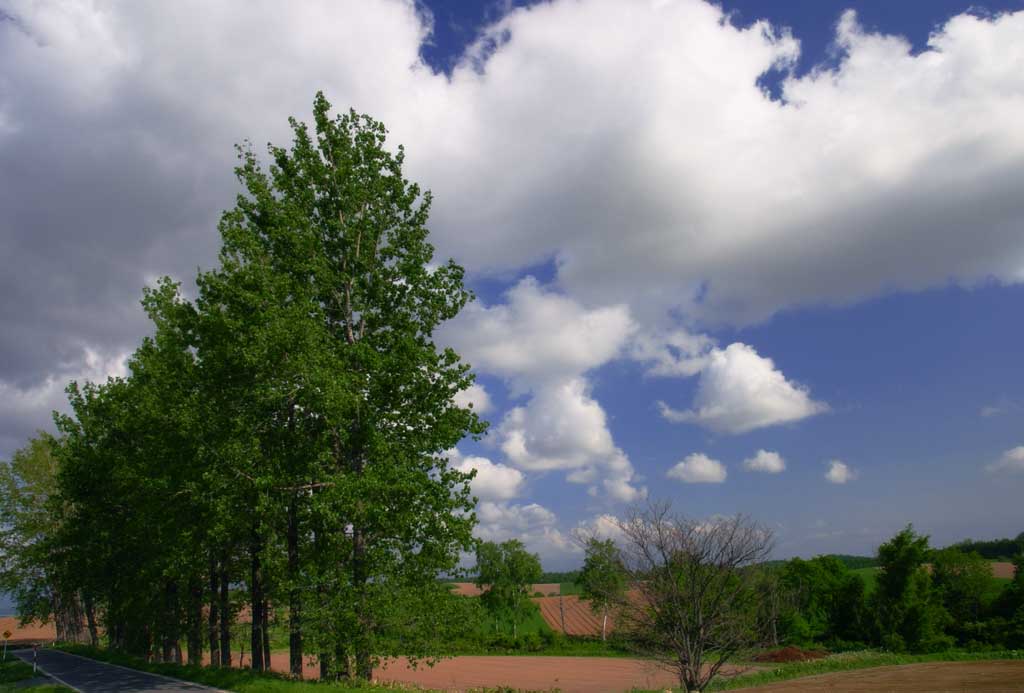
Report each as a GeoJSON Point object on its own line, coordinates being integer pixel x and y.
{"type": "Point", "coordinates": [89, 676]}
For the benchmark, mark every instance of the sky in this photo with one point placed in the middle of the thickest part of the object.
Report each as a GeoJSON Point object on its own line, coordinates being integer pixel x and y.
{"type": "Point", "coordinates": [758, 257]}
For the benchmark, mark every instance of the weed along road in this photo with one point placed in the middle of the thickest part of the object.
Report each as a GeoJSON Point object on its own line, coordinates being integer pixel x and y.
{"type": "Point", "coordinates": [89, 676]}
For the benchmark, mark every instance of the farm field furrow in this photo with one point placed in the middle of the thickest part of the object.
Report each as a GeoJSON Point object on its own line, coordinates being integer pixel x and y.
{"type": "Point", "coordinates": [1000, 675]}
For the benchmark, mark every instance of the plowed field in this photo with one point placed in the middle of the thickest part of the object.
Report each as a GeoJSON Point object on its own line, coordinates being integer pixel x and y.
{"type": "Point", "coordinates": [1004, 676]}
{"type": "Point", "coordinates": [580, 619]}
{"type": "Point", "coordinates": [568, 674]}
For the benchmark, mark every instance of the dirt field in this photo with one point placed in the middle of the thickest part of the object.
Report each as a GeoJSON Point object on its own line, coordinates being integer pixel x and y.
{"type": "Point", "coordinates": [1002, 570]}
{"type": "Point", "coordinates": [27, 634]}
{"type": "Point", "coordinates": [468, 589]}
{"type": "Point", "coordinates": [580, 619]}
{"type": "Point", "coordinates": [1003, 676]}
{"type": "Point", "coordinates": [568, 674]}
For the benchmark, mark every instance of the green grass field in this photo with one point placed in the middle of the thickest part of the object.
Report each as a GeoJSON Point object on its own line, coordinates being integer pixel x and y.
{"type": "Point", "coordinates": [870, 576]}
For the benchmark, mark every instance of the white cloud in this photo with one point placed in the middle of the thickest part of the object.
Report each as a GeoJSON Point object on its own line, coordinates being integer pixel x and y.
{"type": "Point", "coordinates": [476, 396]}
{"type": "Point", "coordinates": [675, 353]}
{"type": "Point", "coordinates": [31, 407]}
{"type": "Point", "coordinates": [615, 138]}
{"type": "Point", "coordinates": [765, 461]}
{"type": "Point", "coordinates": [839, 472]}
{"type": "Point", "coordinates": [533, 524]}
{"type": "Point", "coordinates": [563, 428]}
{"type": "Point", "coordinates": [493, 481]}
{"type": "Point", "coordinates": [740, 391]}
{"type": "Point", "coordinates": [1011, 461]}
{"type": "Point", "coordinates": [537, 335]}
{"type": "Point", "coordinates": [698, 468]}
{"type": "Point", "coordinates": [603, 526]}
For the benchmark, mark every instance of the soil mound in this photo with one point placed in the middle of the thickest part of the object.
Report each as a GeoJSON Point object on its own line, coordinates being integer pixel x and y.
{"type": "Point", "coordinates": [789, 654]}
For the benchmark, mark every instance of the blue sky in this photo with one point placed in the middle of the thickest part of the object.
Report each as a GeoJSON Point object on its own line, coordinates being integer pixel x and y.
{"type": "Point", "coordinates": [695, 232]}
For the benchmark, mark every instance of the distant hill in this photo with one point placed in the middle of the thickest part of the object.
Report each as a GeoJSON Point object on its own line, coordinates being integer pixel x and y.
{"type": "Point", "coordinates": [993, 549]}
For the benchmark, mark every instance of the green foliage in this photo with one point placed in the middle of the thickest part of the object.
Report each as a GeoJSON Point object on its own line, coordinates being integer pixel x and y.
{"type": "Point", "coordinates": [603, 577]}
{"type": "Point", "coordinates": [827, 602]}
{"type": "Point", "coordinates": [570, 576]}
{"type": "Point", "coordinates": [855, 562]}
{"type": "Point", "coordinates": [909, 612]}
{"type": "Point", "coordinates": [505, 572]}
{"type": "Point", "coordinates": [284, 433]}
{"type": "Point", "coordinates": [993, 549]}
{"type": "Point", "coordinates": [27, 569]}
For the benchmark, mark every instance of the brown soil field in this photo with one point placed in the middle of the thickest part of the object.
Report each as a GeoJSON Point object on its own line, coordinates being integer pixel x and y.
{"type": "Point", "coordinates": [567, 674]}
{"type": "Point", "coordinates": [468, 589]}
{"type": "Point", "coordinates": [1002, 570]}
{"type": "Point", "coordinates": [789, 654]}
{"type": "Point", "coordinates": [1003, 675]}
{"type": "Point", "coordinates": [580, 619]}
{"type": "Point", "coordinates": [34, 632]}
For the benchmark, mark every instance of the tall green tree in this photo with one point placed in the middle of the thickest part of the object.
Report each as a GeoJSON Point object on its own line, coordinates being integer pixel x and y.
{"type": "Point", "coordinates": [322, 314]}
{"type": "Point", "coordinates": [827, 599]}
{"type": "Point", "coordinates": [603, 578]}
{"type": "Point", "coordinates": [909, 612]}
{"type": "Point", "coordinates": [31, 567]}
{"type": "Point", "coordinates": [506, 572]}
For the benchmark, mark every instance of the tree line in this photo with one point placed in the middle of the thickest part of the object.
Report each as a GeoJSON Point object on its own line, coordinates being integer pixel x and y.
{"type": "Point", "coordinates": [276, 450]}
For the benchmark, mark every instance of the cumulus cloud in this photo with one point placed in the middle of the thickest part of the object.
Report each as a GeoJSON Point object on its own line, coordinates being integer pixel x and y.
{"type": "Point", "coordinates": [25, 409]}
{"type": "Point", "coordinates": [493, 481]}
{"type": "Point", "coordinates": [1011, 461]}
{"type": "Point", "coordinates": [533, 524]}
{"type": "Point", "coordinates": [765, 461]}
{"type": "Point", "coordinates": [563, 428]}
{"type": "Point", "coordinates": [672, 353]}
{"type": "Point", "coordinates": [698, 468]}
{"type": "Point", "coordinates": [475, 396]}
{"type": "Point", "coordinates": [739, 391]}
{"type": "Point", "coordinates": [537, 334]}
{"type": "Point", "coordinates": [603, 526]}
{"type": "Point", "coordinates": [839, 472]}
{"type": "Point", "coordinates": [889, 169]}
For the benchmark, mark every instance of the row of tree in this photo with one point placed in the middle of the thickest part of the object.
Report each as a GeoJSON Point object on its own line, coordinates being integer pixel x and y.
{"type": "Point", "coordinates": [277, 448]}
{"type": "Point", "coordinates": [922, 600]}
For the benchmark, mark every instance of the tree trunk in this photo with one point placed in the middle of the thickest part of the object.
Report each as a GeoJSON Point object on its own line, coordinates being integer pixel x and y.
{"type": "Point", "coordinates": [604, 625]}
{"type": "Point", "coordinates": [266, 634]}
{"type": "Point", "coordinates": [90, 617]}
{"type": "Point", "coordinates": [213, 615]}
{"type": "Point", "coordinates": [225, 613]}
{"type": "Point", "coordinates": [364, 664]}
{"type": "Point", "coordinates": [195, 618]}
{"type": "Point", "coordinates": [294, 593]}
{"type": "Point", "coordinates": [256, 599]}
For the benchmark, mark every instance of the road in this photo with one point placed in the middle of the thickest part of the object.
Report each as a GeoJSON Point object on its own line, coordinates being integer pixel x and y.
{"type": "Point", "coordinates": [89, 676]}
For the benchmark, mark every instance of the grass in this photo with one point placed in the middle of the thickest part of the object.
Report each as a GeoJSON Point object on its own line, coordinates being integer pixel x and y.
{"type": "Point", "coordinates": [14, 670]}
{"type": "Point", "coordinates": [238, 680]}
{"type": "Point", "coordinates": [870, 577]}
{"type": "Point", "coordinates": [850, 661]}
{"type": "Point", "coordinates": [568, 588]}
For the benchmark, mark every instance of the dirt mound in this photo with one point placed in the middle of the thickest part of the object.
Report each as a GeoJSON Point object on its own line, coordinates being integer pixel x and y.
{"type": "Point", "coordinates": [789, 654]}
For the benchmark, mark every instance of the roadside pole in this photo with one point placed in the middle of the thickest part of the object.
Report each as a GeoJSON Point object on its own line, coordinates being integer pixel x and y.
{"type": "Point", "coordinates": [35, 658]}
{"type": "Point", "coordinates": [7, 636]}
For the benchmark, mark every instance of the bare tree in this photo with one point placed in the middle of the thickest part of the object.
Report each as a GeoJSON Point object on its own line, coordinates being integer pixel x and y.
{"type": "Point", "coordinates": [694, 598]}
